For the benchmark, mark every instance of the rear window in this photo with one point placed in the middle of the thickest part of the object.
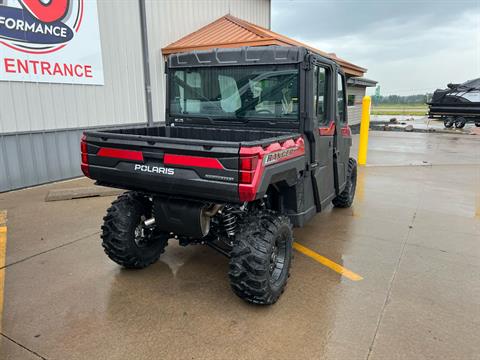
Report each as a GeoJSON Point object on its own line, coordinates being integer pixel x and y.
{"type": "Point", "coordinates": [236, 92]}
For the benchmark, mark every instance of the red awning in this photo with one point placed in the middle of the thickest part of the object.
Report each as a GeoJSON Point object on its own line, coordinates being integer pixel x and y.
{"type": "Point", "coordinates": [229, 31]}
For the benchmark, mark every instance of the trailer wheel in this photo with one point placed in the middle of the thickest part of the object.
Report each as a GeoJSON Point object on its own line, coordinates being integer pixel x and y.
{"type": "Point", "coordinates": [261, 258]}
{"type": "Point", "coordinates": [448, 122]}
{"type": "Point", "coordinates": [460, 122]}
{"type": "Point", "coordinates": [345, 198]}
{"type": "Point", "coordinates": [124, 238]}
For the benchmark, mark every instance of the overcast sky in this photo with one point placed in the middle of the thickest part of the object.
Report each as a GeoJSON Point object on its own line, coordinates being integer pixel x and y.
{"type": "Point", "coordinates": [409, 47]}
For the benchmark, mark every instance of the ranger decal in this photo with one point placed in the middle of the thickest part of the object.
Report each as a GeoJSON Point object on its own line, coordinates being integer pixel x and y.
{"type": "Point", "coordinates": [279, 155]}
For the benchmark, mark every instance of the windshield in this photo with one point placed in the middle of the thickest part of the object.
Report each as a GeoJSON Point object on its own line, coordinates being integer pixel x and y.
{"type": "Point", "coordinates": [240, 92]}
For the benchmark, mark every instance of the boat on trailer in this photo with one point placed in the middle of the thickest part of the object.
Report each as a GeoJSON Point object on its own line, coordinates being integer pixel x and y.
{"type": "Point", "coordinates": [458, 104]}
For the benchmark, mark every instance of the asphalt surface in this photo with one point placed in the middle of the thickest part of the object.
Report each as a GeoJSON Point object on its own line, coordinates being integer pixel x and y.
{"type": "Point", "coordinates": [413, 235]}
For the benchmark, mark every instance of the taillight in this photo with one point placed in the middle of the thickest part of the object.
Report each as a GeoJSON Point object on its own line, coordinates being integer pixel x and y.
{"type": "Point", "coordinates": [120, 154]}
{"type": "Point", "coordinates": [85, 170]}
{"type": "Point", "coordinates": [192, 161]}
{"type": "Point", "coordinates": [246, 177]}
{"type": "Point", "coordinates": [248, 165]}
{"type": "Point", "coordinates": [250, 172]}
{"type": "Point", "coordinates": [83, 147]}
{"type": "Point", "coordinates": [84, 150]}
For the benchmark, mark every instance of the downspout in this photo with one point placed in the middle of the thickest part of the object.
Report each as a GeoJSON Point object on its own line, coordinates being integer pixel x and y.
{"type": "Point", "coordinates": [146, 63]}
{"type": "Point", "coordinates": [269, 14]}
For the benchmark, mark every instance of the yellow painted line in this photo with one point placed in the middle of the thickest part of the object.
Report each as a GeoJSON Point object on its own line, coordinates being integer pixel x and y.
{"type": "Point", "coordinates": [327, 262]}
{"type": "Point", "coordinates": [3, 248]}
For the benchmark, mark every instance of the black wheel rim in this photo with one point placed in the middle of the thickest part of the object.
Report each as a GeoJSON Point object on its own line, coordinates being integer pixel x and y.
{"type": "Point", "coordinates": [142, 235]}
{"type": "Point", "coordinates": [278, 257]}
{"type": "Point", "coordinates": [460, 123]}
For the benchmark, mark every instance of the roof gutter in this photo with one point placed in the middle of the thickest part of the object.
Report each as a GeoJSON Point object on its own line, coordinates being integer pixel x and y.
{"type": "Point", "coordinates": [361, 81]}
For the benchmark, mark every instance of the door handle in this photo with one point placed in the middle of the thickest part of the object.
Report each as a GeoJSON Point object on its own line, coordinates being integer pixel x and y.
{"type": "Point", "coordinates": [312, 166]}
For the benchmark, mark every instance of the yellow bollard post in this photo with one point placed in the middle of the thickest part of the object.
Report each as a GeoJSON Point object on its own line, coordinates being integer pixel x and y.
{"type": "Point", "coordinates": [364, 127]}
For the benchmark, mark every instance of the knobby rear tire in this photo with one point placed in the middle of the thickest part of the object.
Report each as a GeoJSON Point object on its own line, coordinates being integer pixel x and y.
{"type": "Point", "coordinates": [252, 276]}
{"type": "Point", "coordinates": [118, 233]}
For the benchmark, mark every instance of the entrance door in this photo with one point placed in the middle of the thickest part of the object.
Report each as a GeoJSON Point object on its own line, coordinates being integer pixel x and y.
{"type": "Point", "coordinates": [323, 132]}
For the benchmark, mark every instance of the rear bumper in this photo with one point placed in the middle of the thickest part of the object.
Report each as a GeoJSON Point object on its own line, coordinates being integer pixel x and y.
{"type": "Point", "coordinates": [184, 184]}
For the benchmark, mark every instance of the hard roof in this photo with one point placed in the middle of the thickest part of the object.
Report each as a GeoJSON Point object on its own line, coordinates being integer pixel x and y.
{"type": "Point", "coordinates": [229, 31]}
{"type": "Point", "coordinates": [245, 55]}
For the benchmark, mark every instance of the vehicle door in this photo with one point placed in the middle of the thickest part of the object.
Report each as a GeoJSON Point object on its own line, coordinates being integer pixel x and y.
{"type": "Point", "coordinates": [323, 132]}
{"type": "Point", "coordinates": [343, 138]}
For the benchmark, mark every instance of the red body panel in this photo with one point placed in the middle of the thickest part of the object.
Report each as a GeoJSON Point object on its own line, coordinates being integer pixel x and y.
{"type": "Point", "coordinates": [273, 154]}
{"type": "Point", "coordinates": [195, 161]}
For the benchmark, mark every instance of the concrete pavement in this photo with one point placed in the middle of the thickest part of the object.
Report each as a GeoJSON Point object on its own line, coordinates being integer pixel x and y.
{"type": "Point", "coordinates": [413, 234]}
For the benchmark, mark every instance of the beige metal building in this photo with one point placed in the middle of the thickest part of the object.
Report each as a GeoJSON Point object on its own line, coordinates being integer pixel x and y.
{"type": "Point", "coordinates": [41, 122]}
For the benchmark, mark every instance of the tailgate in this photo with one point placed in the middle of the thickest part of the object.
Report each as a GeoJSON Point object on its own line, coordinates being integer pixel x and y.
{"type": "Point", "coordinates": [172, 166]}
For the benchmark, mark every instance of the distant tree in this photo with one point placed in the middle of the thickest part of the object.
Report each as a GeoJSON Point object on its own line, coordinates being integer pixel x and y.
{"type": "Point", "coordinates": [402, 99]}
{"type": "Point", "coordinates": [377, 95]}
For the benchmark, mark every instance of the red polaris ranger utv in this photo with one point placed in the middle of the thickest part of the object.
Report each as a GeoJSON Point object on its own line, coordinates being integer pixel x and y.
{"type": "Point", "coordinates": [255, 140]}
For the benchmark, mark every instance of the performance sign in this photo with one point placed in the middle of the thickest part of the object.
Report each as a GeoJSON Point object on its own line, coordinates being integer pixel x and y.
{"type": "Point", "coordinates": [54, 41]}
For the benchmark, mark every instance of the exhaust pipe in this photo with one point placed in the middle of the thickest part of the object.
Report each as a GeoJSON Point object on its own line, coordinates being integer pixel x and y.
{"type": "Point", "coordinates": [183, 217]}
{"type": "Point", "coordinates": [213, 210]}
{"type": "Point", "coordinates": [206, 212]}
{"type": "Point", "coordinates": [149, 222]}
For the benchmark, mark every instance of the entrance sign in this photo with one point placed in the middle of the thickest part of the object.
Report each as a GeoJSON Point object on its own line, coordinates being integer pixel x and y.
{"type": "Point", "coordinates": [54, 41]}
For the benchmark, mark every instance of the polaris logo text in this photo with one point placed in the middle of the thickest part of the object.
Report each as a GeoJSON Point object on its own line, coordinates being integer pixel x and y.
{"type": "Point", "coordinates": [155, 169]}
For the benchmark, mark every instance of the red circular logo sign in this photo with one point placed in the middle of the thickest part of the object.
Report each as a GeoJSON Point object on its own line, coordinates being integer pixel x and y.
{"type": "Point", "coordinates": [40, 26]}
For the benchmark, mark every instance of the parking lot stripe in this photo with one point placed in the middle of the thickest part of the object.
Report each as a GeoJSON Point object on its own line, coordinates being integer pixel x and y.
{"type": "Point", "coordinates": [327, 262]}
{"type": "Point", "coordinates": [3, 248]}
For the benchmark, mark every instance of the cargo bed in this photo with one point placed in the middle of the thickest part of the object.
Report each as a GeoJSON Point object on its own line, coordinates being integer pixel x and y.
{"type": "Point", "coordinates": [186, 161]}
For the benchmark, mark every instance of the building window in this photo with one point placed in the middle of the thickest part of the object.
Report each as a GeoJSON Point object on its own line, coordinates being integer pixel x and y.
{"type": "Point", "coordinates": [351, 100]}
